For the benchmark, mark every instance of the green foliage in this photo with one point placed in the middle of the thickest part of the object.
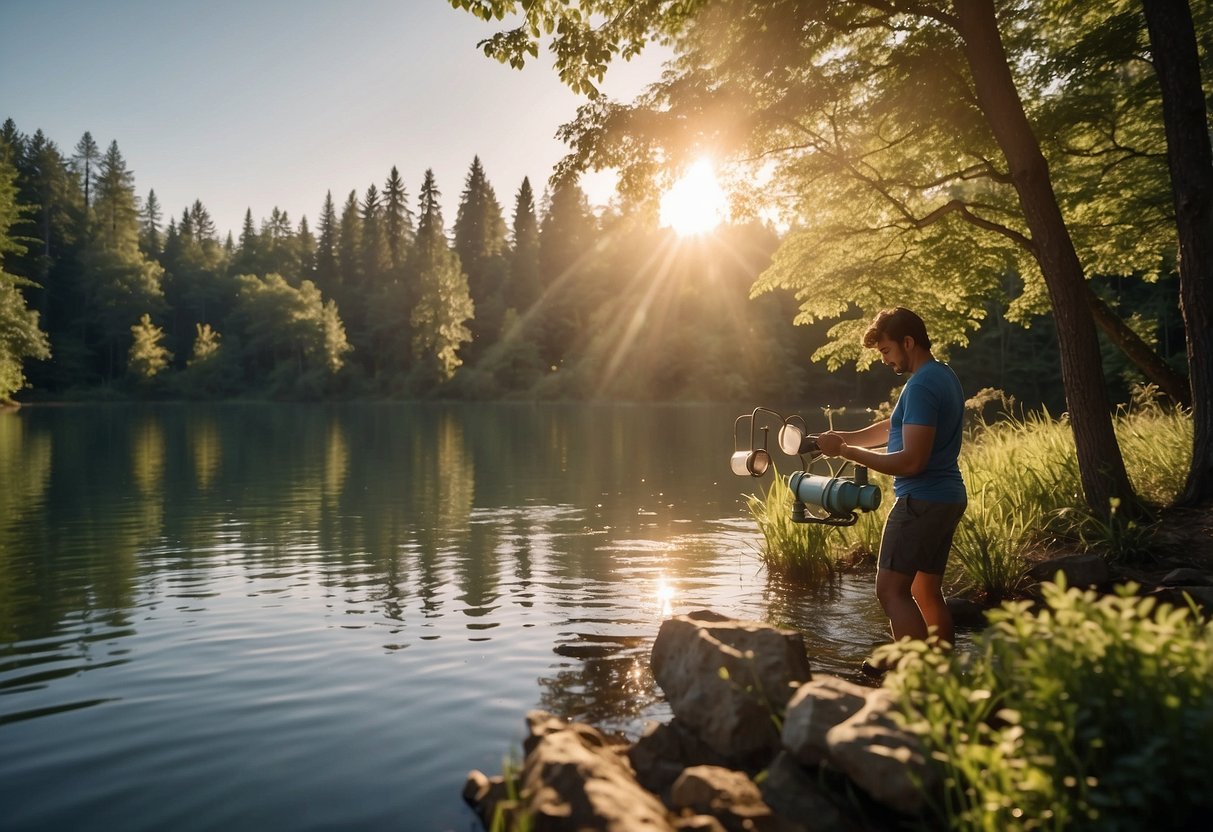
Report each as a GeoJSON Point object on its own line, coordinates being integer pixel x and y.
{"type": "Point", "coordinates": [1090, 713]}
{"type": "Point", "coordinates": [438, 320]}
{"type": "Point", "coordinates": [291, 337]}
{"type": "Point", "coordinates": [20, 336]}
{"type": "Point", "coordinates": [147, 357]}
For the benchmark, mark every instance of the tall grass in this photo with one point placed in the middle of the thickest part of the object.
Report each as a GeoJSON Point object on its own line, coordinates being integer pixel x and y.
{"type": "Point", "coordinates": [1025, 495]}
{"type": "Point", "coordinates": [803, 551]}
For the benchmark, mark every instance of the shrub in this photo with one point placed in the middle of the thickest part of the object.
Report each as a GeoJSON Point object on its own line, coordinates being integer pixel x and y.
{"type": "Point", "coordinates": [1091, 713]}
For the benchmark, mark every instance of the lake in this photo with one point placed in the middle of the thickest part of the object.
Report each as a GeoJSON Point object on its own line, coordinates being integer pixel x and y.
{"type": "Point", "coordinates": [253, 616]}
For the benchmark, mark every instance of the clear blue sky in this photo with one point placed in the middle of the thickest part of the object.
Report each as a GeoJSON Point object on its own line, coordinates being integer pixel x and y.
{"type": "Point", "coordinates": [264, 103]}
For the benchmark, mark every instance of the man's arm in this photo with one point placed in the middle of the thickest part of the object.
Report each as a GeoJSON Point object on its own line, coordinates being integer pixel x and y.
{"type": "Point", "coordinates": [872, 436]}
{"type": "Point", "coordinates": [917, 441]}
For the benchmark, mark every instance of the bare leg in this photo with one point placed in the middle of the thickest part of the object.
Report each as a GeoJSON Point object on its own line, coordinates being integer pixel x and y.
{"type": "Point", "coordinates": [894, 591]}
{"type": "Point", "coordinates": [927, 590]}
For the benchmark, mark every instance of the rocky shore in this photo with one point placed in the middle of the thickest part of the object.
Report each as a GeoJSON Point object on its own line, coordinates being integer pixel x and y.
{"type": "Point", "coordinates": [756, 742]}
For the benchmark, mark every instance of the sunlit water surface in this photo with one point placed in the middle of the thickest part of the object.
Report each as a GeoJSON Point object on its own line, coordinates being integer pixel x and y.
{"type": "Point", "coordinates": [306, 617]}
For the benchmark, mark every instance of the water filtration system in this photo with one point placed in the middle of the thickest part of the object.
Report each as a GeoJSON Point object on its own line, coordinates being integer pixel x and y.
{"type": "Point", "coordinates": [840, 498]}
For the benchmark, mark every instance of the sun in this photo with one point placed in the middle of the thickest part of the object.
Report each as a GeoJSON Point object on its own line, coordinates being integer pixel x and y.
{"type": "Point", "coordinates": [696, 203]}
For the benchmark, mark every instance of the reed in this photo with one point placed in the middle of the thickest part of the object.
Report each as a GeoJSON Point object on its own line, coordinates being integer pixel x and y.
{"type": "Point", "coordinates": [803, 551]}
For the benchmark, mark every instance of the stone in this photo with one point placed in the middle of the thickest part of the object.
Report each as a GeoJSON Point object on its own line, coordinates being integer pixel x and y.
{"type": "Point", "coordinates": [793, 794]}
{"type": "Point", "coordinates": [881, 758]}
{"type": "Point", "coordinates": [1186, 576]}
{"type": "Point", "coordinates": [1080, 570]}
{"type": "Point", "coordinates": [729, 796]}
{"type": "Point", "coordinates": [572, 779]}
{"type": "Point", "coordinates": [663, 751]}
{"type": "Point", "coordinates": [488, 796]}
{"type": "Point", "coordinates": [1177, 596]}
{"type": "Point", "coordinates": [966, 612]}
{"type": "Point", "coordinates": [815, 708]}
{"type": "Point", "coordinates": [727, 680]}
{"type": "Point", "coordinates": [698, 823]}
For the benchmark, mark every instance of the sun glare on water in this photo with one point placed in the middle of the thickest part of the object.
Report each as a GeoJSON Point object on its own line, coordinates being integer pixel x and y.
{"type": "Point", "coordinates": [696, 203]}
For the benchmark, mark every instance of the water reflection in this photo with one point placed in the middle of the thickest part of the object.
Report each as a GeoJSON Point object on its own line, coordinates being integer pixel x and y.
{"type": "Point", "coordinates": [286, 584]}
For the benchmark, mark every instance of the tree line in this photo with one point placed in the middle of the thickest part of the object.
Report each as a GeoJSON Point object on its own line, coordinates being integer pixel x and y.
{"type": "Point", "coordinates": [104, 297]}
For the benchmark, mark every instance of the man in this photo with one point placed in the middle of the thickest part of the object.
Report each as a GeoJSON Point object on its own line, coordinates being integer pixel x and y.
{"type": "Point", "coordinates": [923, 443]}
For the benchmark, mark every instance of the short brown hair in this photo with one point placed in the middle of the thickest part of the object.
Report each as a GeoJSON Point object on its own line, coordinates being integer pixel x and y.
{"type": "Point", "coordinates": [895, 324]}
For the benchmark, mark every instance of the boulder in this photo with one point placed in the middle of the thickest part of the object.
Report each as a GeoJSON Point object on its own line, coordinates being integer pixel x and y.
{"type": "Point", "coordinates": [1080, 570]}
{"type": "Point", "coordinates": [967, 612]}
{"type": "Point", "coordinates": [663, 751]}
{"type": "Point", "coordinates": [794, 794]}
{"type": "Point", "coordinates": [729, 796]}
{"type": "Point", "coordinates": [573, 778]}
{"type": "Point", "coordinates": [727, 680]}
{"type": "Point", "coordinates": [881, 758]}
{"type": "Point", "coordinates": [1185, 576]}
{"type": "Point", "coordinates": [815, 708]}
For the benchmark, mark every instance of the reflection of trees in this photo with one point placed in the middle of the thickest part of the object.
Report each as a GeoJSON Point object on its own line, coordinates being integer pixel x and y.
{"type": "Point", "coordinates": [207, 447]}
{"type": "Point", "coordinates": [25, 466]}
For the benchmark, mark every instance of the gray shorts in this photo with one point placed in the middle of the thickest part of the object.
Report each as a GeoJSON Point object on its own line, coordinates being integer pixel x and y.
{"type": "Point", "coordinates": [918, 535]}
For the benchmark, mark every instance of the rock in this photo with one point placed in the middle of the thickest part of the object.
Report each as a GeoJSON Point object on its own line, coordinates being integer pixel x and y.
{"type": "Point", "coordinates": [727, 679]}
{"type": "Point", "coordinates": [1185, 576]}
{"type": "Point", "coordinates": [815, 708]}
{"type": "Point", "coordinates": [793, 794]}
{"type": "Point", "coordinates": [1080, 570]}
{"type": "Point", "coordinates": [881, 758]}
{"type": "Point", "coordinates": [966, 612]}
{"type": "Point", "coordinates": [698, 823]}
{"type": "Point", "coordinates": [488, 796]}
{"type": "Point", "coordinates": [729, 796]}
{"type": "Point", "coordinates": [573, 780]}
{"type": "Point", "coordinates": [663, 751]}
{"type": "Point", "coordinates": [1178, 596]}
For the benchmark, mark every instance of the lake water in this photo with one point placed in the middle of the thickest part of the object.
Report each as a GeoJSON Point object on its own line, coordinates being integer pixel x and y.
{"type": "Point", "coordinates": [316, 617]}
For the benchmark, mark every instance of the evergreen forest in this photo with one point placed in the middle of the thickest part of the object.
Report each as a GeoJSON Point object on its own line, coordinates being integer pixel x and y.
{"type": "Point", "coordinates": [105, 293]}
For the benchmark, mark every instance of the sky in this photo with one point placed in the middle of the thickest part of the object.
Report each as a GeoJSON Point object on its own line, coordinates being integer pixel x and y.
{"type": "Point", "coordinates": [257, 104]}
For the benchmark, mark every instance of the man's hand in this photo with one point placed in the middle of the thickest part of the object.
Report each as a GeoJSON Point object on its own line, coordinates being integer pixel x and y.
{"type": "Point", "coordinates": [831, 443]}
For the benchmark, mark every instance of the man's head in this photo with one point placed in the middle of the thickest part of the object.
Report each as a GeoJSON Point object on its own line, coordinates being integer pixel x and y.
{"type": "Point", "coordinates": [901, 338]}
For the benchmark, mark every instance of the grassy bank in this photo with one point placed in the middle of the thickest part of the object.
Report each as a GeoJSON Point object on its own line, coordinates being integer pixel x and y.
{"type": "Point", "coordinates": [1025, 497]}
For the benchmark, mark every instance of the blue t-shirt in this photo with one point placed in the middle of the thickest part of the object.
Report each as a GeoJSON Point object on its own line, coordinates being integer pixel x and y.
{"type": "Point", "coordinates": [932, 397]}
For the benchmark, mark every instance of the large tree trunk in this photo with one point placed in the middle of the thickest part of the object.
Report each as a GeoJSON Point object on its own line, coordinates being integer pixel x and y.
{"type": "Point", "coordinates": [1173, 43]}
{"type": "Point", "coordinates": [1100, 463]}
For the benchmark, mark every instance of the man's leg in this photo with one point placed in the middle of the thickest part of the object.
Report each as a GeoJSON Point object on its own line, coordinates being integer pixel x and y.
{"type": "Point", "coordinates": [927, 590]}
{"type": "Point", "coordinates": [895, 593]}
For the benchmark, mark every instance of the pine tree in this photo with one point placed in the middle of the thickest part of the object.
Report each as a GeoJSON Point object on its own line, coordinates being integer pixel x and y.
{"type": "Point", "coordinates": [375, 255]}
{"type": "Point", "coordinates": [349, 243]}
{"type": "Point", "coordinates": [328, 276]}
{"type": "Point", "coordinates": [248, 250]}
{"type": "Point", "coordinates": [20, 337]}
{"type": "Point", "coordinates": [522, 290]}
{"type": "Point", "coordinates": [567, 237]}
{"type": "Point", "coordinates": [305, 251]}
{"type": "Point", "coordinates": [88, 154]}
{"type": "Point", "coordinates": [443, 302]}
{"type": "Point", "coordinates": [116, 208]}
{"type": "Point", "coordinates": [397, 221]}
{"type": "Point", "coordinates": [150, 240]}
{"type": "Point", "coordinates": [480, 242]}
